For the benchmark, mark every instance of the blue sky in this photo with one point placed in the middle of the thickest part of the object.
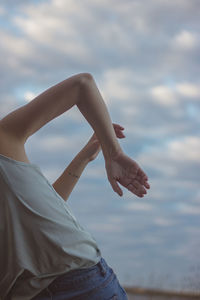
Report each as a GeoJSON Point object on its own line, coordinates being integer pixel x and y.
{"type": "Point", "coordinates": [144, 57]}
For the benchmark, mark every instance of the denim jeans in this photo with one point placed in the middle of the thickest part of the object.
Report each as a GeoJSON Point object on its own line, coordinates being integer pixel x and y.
{"type": "Point", "coordinates": [98, 282]}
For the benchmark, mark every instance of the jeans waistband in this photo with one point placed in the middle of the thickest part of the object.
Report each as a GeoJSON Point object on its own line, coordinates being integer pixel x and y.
{"type": "Point", "coordinates": [101, 265]}
{"type": "Point", "coordinates": [57, 283]}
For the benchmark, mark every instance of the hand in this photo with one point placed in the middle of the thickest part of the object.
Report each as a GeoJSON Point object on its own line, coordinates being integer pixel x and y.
{"type": "Point", "coordinates": [128, 173]}
{"type": "Point", "coordinates": [93, 147]}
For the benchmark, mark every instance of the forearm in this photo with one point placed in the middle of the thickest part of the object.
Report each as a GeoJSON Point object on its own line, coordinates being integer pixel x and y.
{"type": "Point", "coordinates": [66, 182]}
{"type": "Point", "coordinates": [80, 90]}
{"type": "Point", "coordinates": [92, 106]}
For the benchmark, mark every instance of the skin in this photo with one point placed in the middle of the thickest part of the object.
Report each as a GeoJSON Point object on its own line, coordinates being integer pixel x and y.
{"type": "Point", "coordinates": [80, 90]}
{"type": "Point", "coordinates": [65, 183]}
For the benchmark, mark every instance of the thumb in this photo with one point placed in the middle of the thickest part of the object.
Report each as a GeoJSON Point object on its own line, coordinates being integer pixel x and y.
{"type": "Point", "coordinates": [115, 186]}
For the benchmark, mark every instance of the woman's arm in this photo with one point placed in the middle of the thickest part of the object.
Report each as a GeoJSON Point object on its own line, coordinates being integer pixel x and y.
{"type": "Point", "coordinates": [80, 90]}
{"type": "Point", "coordinates": [70, 176]}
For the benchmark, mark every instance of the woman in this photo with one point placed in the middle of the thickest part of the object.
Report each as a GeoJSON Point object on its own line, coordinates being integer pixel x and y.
{"type": "Point", "coordinates": [46, 253]}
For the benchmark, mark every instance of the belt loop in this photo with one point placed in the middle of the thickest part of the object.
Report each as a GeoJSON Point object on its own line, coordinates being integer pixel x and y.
{"type": "Point", "coordinates": [102, 268]}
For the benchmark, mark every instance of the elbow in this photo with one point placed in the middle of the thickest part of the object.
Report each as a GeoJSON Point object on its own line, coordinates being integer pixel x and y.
{"type": "Point", "coordinates": [84, 78]}
{"type": "Point", "coordinates": [84, 82]}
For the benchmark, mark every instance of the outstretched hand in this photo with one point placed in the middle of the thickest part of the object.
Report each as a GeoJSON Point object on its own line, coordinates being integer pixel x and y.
{"type": "Point", "coordinates": [121, 168]}
{"type": "Point", "coordinates": [128, 173]}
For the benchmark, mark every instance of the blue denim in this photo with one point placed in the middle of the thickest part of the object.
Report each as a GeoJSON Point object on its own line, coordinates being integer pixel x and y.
{"type": "Point", "coordinates": [98, 282]}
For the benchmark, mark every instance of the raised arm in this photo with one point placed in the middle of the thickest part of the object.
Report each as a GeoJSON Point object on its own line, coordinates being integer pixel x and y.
{"type": "Point", "coordinates": [80, 90]}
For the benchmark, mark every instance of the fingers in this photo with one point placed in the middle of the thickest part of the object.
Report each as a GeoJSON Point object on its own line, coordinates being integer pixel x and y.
{"type": "Point", "coordinates": [142, 178]}
{"type": "Point", "coordinates": [133, 186]}
{"type": "Point", "coordinates": [137, 188]}
{"type": "Point", "coordinates": [147, 185]}
{"type": "Point", "coordinates": [118, 126]}
{"type": "Point", "coordinates": [118, 130]}
{"type": "Point", "coordinates": [120, 135]}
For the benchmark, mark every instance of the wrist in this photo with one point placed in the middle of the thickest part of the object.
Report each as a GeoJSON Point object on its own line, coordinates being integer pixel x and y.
{"type": "Point", "coordinates": [73, 175]}
{"type": "Point", "coordinates": [112, 153]}
{"type": "Point", "coordinates": [82, 157]}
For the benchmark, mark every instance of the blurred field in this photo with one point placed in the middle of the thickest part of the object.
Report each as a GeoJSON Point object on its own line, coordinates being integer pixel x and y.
{"type": "Point", "coordinates": [136, 293]}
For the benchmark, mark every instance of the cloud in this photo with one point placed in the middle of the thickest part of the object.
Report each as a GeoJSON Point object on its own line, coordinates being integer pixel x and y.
{"type": "Point", "coordinates": [29, 96]}
{"type": "Point", "coordinates": [106, 227]}
{"type": "Point", "coordinates": [163, 95]}
{"type": "Point", "coordinates": [186, 40]}
{"type": "Point", "coordinates": [96, 173]}
{"type": "Point", "coordinates": [58, 143]}
{"type": "Point", "coordinates": [188, 90]}
{"type": "Point", "coordinates": [164, 222]}
{"type": "Point", "coordinates": [64, 40]}
{"type": "Point", "coordinates": [174, 158]}
{"type": "Point", "coordinates": [7, 105]}
{"type": "Point", "coordinates": [185, 150]}
{"type": "Point", "coordinates": [116, 87]}
{"type": "Point", "coordinates": [2, 10]}
{"type": "Point", "coordinates": [51, 173]}
{"type": "Point", "coordinates": [187, 209]}
{"type": "Point", "coordinates": [137, 206]}
{"type": "Point", "coordinates": [172, 96]}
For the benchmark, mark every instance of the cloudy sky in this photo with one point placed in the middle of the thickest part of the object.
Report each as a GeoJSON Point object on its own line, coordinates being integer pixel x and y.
{"type": "Point", "coordinates": [144, 57]}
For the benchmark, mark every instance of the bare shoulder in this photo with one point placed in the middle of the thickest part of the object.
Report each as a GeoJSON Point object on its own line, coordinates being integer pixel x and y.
{"type": "Point", "coordinates": [11, 146]}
